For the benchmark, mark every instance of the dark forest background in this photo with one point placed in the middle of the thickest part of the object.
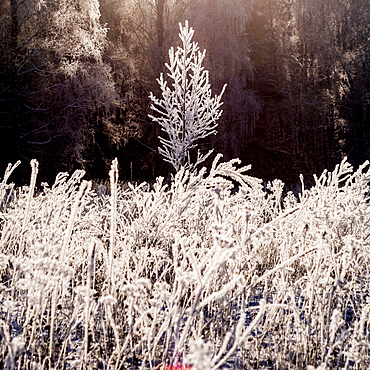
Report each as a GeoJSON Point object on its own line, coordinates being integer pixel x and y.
{"type": "Point", "coordinates": [75, 77]}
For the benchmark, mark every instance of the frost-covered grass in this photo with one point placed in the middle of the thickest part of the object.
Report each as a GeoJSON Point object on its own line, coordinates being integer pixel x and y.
{"type": "Point", "coordinates": [191, 272]}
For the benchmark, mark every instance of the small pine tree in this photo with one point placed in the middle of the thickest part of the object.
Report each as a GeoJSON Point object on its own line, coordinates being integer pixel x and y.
{"type": "Point", "coordinates": [188, 112]}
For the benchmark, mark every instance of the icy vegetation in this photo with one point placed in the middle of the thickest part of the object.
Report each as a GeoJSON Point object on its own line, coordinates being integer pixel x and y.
{"type": "Point", "coordinates": [187, 112]}
{"type": "Point", "coordinates": [212, 270]}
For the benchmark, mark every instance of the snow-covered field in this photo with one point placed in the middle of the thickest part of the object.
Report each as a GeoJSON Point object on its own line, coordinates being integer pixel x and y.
{"type": "Point", "coordinates": [133, 276]}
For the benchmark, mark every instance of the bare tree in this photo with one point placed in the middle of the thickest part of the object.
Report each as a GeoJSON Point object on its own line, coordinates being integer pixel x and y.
{"type": "Point", "coordinates": [53, 76]}
{"type": "Point", "coordinates": [187, 112]}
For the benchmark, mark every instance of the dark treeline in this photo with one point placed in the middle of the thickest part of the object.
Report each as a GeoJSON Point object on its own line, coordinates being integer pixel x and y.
{"type": "Point", "coordinates": [75, 78]}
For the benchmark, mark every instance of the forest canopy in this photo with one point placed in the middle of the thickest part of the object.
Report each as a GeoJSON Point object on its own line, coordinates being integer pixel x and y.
{"type": "Point", "coordinates": [75, 79]}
